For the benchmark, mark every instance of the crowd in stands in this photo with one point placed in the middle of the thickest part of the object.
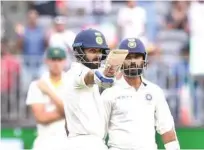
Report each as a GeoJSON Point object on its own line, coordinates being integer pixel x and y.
{"type": "Point", "coordinates": [163, 26]}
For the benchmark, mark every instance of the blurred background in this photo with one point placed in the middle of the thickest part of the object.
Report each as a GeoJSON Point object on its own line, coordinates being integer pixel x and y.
{"type": "Point", "coordinates": [173, 32]}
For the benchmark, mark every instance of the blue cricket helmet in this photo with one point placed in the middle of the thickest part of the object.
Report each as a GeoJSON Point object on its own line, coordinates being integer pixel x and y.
{"type": "Point", "coordinates": [89, 38]}
{"type": "Point", "coordinates": [134, 46]}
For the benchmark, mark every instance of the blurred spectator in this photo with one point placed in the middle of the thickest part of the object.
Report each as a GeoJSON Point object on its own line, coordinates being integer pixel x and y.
{"type": "Point", "coordinates": [132, 20]}
{"type": "Point", "coordinates": [177, 17]}
{"type": "Point", "coordinates": [195, 16]}
{"type": "Point", "coordinates": [196, 26]}
{"type": "Point", "coordinates": [95, 7]}
{"type": "Point", "coordinates": [62, 37]}
{"type": "Point", "coordinates": [2, 20]}
{"type": "Point", "coordinates": [156, 69]}
{"type": "Point", "coordinates": [187, 89]}
{"type": "Point", "coordinates": [110, 32]}
{"type": "Point", "coordinates": [100, 8]}
{"type": "Point", "coordinates": [44, 7]}
{"type": "Point", "coordinates": [59, 36]}
{"type": "Point", "coordinates": [94, 10]}
{"type": "Point", "coordinates": [62, 7]}
{"type": "Point", "coordinates": [171, 43]}
{"type": "Point", "coordinates": [46, 10]}
{"type": "Point", "coordinates": [78, 6]}
{"type": "Point", "coordinates": [152, 24]}
{"type": "Point", "coordinates": [9, 77]}
{"type": "Point", "coordinates": [32, 43]}
{"type": "Point", "coordinates": [9, 67]}
{"type": "Point", "coordinates": [181, 69]}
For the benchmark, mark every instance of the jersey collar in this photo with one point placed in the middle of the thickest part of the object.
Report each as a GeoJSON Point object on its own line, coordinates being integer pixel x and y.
{"type": "Point", "coordinates": [122, 82]}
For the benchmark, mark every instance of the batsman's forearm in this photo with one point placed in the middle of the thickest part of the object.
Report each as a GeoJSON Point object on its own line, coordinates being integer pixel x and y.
{"type": "Point", "coordinates": [169, 136]}
{"type": "Point", "coordinates": [57, 101]}
{"type": "Point", "coordinates": [170, 140]}
{"type": "Point", "coordinates": [89, 78]}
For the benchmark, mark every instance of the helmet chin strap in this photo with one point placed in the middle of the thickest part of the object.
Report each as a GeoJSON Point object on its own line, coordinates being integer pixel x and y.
{"type": "Point", "coordinates": [90, 65]}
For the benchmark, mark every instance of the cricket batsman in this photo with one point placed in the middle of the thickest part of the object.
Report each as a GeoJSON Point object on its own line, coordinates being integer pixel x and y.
{"type": "Point", "coordinates": [135, 107]}
{"type": "Point", "coordinates": [83, 108]}
{"type": "Point", "coordinates": [46, 109]}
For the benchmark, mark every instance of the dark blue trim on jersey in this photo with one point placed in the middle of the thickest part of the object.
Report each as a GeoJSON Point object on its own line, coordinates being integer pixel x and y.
{"type": "Point", "coordinates": [144, 84]}
{"type": "Point", "coordinates": [102, 78]}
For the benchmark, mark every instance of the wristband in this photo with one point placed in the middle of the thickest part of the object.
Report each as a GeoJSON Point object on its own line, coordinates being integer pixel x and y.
{"type": "Point", "coordinates": [174, 145]}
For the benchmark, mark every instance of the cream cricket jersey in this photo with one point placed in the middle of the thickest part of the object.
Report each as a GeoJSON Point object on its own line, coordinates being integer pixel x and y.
{"type": "Point", "coordinates": [134, 114]}
{"type": "Point", "coordinates": [36, 96]}
{"type": "Point", "coordinates": [83, 107]}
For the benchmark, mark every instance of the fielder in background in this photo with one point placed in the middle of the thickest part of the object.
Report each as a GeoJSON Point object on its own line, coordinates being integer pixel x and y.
{"type": "Point", "coordinates": [46, 108]}
{"type": "Point", "coordinates": [135, 107]}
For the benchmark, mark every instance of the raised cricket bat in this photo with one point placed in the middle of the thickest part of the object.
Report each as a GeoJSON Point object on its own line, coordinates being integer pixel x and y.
{"type": "Point", "coordinates": [114, 61]}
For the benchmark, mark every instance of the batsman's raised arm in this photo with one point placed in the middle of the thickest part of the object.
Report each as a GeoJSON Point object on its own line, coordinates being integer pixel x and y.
{"type": "Point", "coordinates": [105, 75]}
{"type": "Point", "coordinates": [89, 78]}
{"type": "Point", "coordinates": [93, 73]}
{"type": "Point", "coordinates": [84, 77]}
{"type": "Point", "coordinates": [98, 77]}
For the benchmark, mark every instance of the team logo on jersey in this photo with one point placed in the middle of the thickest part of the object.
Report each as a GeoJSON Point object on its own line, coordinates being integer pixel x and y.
{"type": "Point", "coordinates": [132, 44]}
{"type": "Point", "coordinates": [99, 40]}
{"type": "Point", "coordinates": [148, 97]}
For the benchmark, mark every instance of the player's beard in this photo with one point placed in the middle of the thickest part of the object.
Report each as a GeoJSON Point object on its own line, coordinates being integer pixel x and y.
{"type": "Point", "coordinates": [133, 70]}
{"type": "Point", "coordinates": [93, 64]}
